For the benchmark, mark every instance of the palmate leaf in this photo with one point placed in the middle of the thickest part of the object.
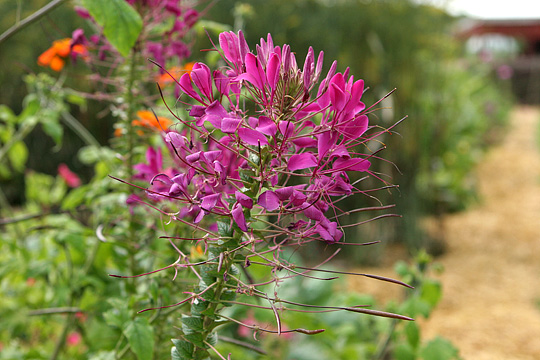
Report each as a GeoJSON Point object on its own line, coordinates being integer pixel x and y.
{"type": "Point", "coordinates": [121, 23]}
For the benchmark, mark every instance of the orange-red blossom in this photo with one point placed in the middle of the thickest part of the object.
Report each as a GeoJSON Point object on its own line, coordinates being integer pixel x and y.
{"type": "Point", "coordinates": [148, 120]}
{"type": "Point", "coordinates": [176, 71]}
{"type": "Point", "coordinates": [54, 56]}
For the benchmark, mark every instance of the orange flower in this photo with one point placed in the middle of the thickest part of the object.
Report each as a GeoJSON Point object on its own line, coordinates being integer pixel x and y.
{"type": "Point", "coordinates": [60, 49]}
{"type": "Point", "coordinates": [148, 120]}
{"type": "Point", "coordinates": [196, 252]}
{"type": "Point", "coordinates": [119, 132]}
{"type": "Point", "coordinates": [176, 71]}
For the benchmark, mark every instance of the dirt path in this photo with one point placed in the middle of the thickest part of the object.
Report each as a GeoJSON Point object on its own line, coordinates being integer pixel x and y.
{"type": "Point", "coordinates": [492, 278]}
{"type": "Point", "coordinates": [491, 283]}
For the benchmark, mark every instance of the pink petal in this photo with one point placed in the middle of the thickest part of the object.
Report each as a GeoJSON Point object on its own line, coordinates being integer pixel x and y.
{"type": "Point", "coordinates": [286, 128]}
{"type": "Point", "coordinates": [210, 201]}
{"type": "Point", "coordinates": [202, 79]}
{"type": "Point", "coordinates": [268, 200]}
{"type": "Point", "coordinates": [71, 179]}
{"type": "Point", "coordinates": [211, 156]}
{"type": "Point", "coordinates": [305, 142]}
{"type": "Point", "coordinates": [186, 87]}
{"type": "Point", "coordinates": [337, 97]}
{"type": "Point", "coordinates": [309, 66]}
{"type": "Point", "coordinates": [267, 126]}
{"type": "Point", "coordinates": [355, 128]}
{"type": "Point", "coordinates": [199, 217]}
{"type": "Point", "coordinates": [326, 141]}
{"type": "Point", "coordinates": [272, 70]}
{"type": "Point", "coordinates": [238, 217]}
{"type": "Point", "coordinates": [193, 157]}
{"type": "Point", "coordinates": [230, 125]}
{"type": "Point", "coordinates": [351, 164]}
{"type": "Point", "coordinates": [312, 212]}
{"type": "Point", "coordinates": [284, 193]}
{"type": "Point", "coordinates": [252, 137]}
{"type": "Point", "coordinates": [340, 151]}
{"type": "Point", "coordinates": [222, 82]}
{"type": "Point", "coordinates": [329, 231]}
{"type": "Point", "coordinates": [298, 198]}
{"type": "Point", "coordinates": [301, 161]}
{"type": "Point", "coordinates": [175, 139]}
{"type": "Point", "coordinates": [243, 199]}
{"type": "Point", "coordinates": [254, 71]}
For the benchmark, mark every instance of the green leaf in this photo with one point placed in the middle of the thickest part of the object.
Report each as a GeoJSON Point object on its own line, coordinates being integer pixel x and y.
{"type": "Point", "coordinates": [196, 339]}
{"type": "Point", "coordinates": [118, 315]}
{"type": "Point", "coordinates": [224, 229]}
{"type": "Point", "coordinates": [7, 114]}
{"type": "Point", "coordinates": [228, 295]}
{"type": "Point", "coordinates": [440, 349]}
{"type": "Point", "coordinates": [182, 349]}
{"type": "Point", "coordinates": [413, 334]}
{"type": "Point", "coordinates": [175, 354]}
{"type": "Point", "coordinates": [76, 99]}
{"type": "Point", "coordinates": [52, 126]}
{"type": "Point", "coordinates": [191, 324]}
{"type": "Point", "coordinates": [31, 107]}
{"type": "Point", "coordinates": [103, 355]}
{"type": "Point", "coordinates": [91, 154]}
{"type": "Point", "coordinates": [38, 187]}
{"type": "Point", "coordinates": [74, 198]}
{"type": "Point", "coordinates": [121, 23]}
{"type": "Point", "coordinates": [4, 172]}
{"type": "Point", "coordinates": [140, 336]}
{"type": "Point", "coordinates": [414, 306]}
{"type": "Point", "coordinates": [18, 154]}
{"type": "Point", "coordinates": [431, 292]}
{"type": "Point", "coordinates": [212, 338]}
{"type": "Point", "coordinates": [404, 351]}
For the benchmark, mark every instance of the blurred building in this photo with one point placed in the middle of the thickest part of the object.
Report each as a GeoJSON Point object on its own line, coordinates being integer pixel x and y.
{"type": "Point", "coordinates": [513, 47]}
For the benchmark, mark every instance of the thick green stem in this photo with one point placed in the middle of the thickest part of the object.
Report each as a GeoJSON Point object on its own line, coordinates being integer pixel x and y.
{"type": "Point", "coordinates": [199, 327]}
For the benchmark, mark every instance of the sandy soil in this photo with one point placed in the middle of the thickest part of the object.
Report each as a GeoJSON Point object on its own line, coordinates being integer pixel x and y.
{"type": "Point", "coordinates": [491, 284]}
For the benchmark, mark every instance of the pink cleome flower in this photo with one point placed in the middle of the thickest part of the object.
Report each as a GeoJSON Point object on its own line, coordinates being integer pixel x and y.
{"type": "Point", "coordinates": [301, 129]}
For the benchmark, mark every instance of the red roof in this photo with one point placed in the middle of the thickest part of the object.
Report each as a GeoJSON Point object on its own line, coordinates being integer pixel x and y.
{"type": "Point", "coordinates": [528, 30]}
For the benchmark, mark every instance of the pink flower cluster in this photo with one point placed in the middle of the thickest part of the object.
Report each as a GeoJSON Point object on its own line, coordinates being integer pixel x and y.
{"type": "Point", "coordinates": [265, 137]}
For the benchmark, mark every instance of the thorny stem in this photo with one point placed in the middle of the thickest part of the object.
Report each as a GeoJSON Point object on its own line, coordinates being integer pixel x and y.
{"type": "Point", "coordinates": [209, 321]}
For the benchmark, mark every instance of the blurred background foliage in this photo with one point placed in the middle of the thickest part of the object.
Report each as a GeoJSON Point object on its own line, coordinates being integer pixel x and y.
{"type": "Point", "coordinates": [455, 105]}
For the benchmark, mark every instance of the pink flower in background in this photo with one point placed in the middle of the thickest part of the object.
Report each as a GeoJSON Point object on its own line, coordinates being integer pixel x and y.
{"type": "Point", "coordinates": [73, 338]}
{"type": "Point", "coordinates": [81, 316]}
{"type": "Point", "coordinates": [71, 179]}
{"type": "Point", "coordinates": [505, 72]}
